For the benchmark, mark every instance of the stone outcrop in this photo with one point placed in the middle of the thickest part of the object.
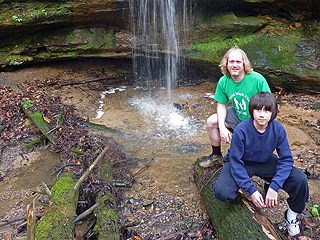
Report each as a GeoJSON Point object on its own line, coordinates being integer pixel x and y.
{"type": "Point", "coordinates": [282, 44]}
{"type": "Point", "coordinates": [281, 37]}
{"type": "Point", "coordinates": [37, 31]}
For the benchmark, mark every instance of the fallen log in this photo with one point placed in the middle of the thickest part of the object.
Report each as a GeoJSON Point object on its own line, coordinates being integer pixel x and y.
{"type": "Point", "coordinates": [100, 127]}
{"type": "Point", "coordinates": [36, 117]}
{"type": "Point", "coordinates": [83, 82]}
{"type": "Point", "coordinates": [238, 219]}
{"type": "Point", "coordinates": [106, 227]}
{"type": "Point", "coordinates": [58, 219]}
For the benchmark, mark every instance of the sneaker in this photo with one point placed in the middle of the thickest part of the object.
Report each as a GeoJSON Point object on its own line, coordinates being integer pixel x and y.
{"type": "Point", "coordinates": [293, 227]}
{"type": "Point", "coordinates": [208, 162]}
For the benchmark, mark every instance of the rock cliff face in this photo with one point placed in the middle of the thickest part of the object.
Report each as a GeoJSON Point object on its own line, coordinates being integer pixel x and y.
{"type": "Point", "coordinates": [281, 37]}
{"type": "Point", "coordinates": [36, 31]}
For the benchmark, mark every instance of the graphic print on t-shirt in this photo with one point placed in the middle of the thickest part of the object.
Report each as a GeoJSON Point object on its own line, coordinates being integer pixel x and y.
{"type": "Point", "coordinates": [240, 103]}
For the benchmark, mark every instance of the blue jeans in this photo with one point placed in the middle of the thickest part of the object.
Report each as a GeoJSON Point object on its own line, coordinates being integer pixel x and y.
{"type": "Point", "coordinates": [226, 189]}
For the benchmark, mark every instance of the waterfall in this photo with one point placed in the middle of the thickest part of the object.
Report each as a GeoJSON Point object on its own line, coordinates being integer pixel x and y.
{"type": "Point", "coordinates": [156, 38]}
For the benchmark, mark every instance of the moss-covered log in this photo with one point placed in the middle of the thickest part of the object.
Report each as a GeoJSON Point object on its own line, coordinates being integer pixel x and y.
{"type": "Point", "coordinates": [101, 127]}
{"type": "Point", "coordinates": [106, 227]}
{"type": "Point", "coordinates": [238, 219]}
{"type": "Point", "coordinates": [57, 221]}
{"type": "Point", "coordinates": [36, 117]}
{"type": "Point", "coordinates": [59, 218]}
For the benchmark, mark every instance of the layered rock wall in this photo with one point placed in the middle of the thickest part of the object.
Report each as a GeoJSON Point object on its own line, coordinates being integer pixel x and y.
{"type": "Point", "coordinates": [281, 37]}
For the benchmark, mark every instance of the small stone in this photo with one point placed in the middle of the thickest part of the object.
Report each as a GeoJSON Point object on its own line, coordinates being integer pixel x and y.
{"type": "Point", "coordinates": [297, 143]}
{"type": "Point", "coordinates": [316, 106]}
{"type": "Point", "coordinates": [151, 208]}
{"type": "Point", "coordinates": [147, 202]}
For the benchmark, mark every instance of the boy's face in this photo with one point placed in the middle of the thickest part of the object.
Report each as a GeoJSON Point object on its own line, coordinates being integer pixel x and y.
{"type": "Point", "coordinates": [261, 118]}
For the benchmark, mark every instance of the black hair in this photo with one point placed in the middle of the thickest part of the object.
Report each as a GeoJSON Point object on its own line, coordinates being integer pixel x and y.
{"type": "Point", "coordinates": [266, 100]}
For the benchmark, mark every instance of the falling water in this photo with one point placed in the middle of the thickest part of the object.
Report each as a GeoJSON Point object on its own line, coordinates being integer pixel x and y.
{"type": "Point", "coordinates": [156, 28]}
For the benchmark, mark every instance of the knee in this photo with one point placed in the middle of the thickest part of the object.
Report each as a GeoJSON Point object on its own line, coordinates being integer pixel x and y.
{"type": "Point", "coordinates": [221, 193]}
{"type": "Point", "coordinates": [212, 121]}
{"type": "Point", "coordinates": [300, 181]}
{"type": "Point", "coordinates": [303, 180]}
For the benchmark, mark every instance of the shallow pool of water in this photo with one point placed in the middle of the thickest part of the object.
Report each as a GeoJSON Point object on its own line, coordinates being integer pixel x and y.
{"type": "Point", "coordinates": [172, 131]}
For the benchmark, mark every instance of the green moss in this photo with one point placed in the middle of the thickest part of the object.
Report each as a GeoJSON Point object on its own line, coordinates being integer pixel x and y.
{"type": "Point", "coordinates": [107, 219]}
{"type": "Point", "coordinates": [14, 59]}
{"type": "Point", "coordinates": [90, 39]}
{"type": "Point", "coordinates": [279, 47]}
{"type": "Point", "coordinates": [213, 49]}
{"type": "Point", "coordinates": [278, 51]}
{"type": "Point", "coordinates": [61, 213]}
{"type": "Point", "coordinates": [62, 188]}
{"type": "Point", "coordinates": [37, 119]}
{"type": "Point", "coordinates": [29, 104]}
{"type": "Point", "coordinates": [31, 144]}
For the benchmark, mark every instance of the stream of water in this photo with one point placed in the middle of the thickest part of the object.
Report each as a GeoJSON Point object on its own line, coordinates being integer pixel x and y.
{"type": "Point", "coordinates": [173, 133]}
{"type": "Point", "coordinates": [169, 136]}
{"type": "Point", "coordinates": [159, 29]}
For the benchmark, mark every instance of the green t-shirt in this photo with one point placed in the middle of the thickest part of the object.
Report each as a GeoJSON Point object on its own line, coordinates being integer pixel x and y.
{"type": "Point", "coordinates": [239, 93]}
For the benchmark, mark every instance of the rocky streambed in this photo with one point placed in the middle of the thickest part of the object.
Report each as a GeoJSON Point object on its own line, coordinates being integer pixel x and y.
{"type": "Point", "coordinates": [161, 139]}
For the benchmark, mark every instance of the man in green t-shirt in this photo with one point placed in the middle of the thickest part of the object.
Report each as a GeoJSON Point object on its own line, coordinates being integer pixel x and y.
{"type": "Point", "coordinates": [237, 85]}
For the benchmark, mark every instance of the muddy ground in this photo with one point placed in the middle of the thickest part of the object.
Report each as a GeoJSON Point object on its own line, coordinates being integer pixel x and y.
{"type": "Point", "coordinates": [297, 113]}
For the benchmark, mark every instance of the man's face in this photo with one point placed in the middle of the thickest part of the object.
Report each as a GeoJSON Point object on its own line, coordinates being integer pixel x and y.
{"type": "Point", "coordinates": [235, 65]}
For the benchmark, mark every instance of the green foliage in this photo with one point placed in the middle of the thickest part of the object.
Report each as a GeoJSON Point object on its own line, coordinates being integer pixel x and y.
{"type": "Point", "coordinates": [32, 12]}
{"type": "Point", "coordinates": [29, 104]}
{"type": "Point", "coordinates": [16, 18]}
{"type": "Point", "coordinates": [315, 211]}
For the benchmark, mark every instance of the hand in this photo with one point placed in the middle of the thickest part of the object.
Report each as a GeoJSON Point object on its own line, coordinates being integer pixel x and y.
{"type": "Point", "coordinates": [257, 199]}
{"type": "Point", "coordinates": [225, 135]}
{"type": "Point", "coordinates": [271, 198]}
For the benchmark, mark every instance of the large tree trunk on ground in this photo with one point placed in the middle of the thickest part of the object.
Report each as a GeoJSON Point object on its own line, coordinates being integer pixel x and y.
{"type": "Point", "coordinates": [106, 227]}
{"type": "Point", "coordinates": [58, 220]}
{"type": "Point", "coordinates": [238, 219]}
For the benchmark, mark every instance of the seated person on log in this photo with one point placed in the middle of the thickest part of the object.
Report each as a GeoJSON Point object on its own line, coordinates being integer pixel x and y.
{"type": "Point", "coordinates": [238, 83]}
{"type": "Point", "coordinates": [251, 153]}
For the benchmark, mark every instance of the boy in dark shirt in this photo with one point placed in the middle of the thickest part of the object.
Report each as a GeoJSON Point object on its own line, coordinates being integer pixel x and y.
{"type": "Point", "coordinates": [252, 144]}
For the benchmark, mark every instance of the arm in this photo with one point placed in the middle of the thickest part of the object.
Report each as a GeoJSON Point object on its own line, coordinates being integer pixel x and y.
{"type": "Point", "coordinates": [285, 161]}
{"type": "Point", "coordinates": [237, 152]}
{"type": "Point", "coordinates": [225, 134]}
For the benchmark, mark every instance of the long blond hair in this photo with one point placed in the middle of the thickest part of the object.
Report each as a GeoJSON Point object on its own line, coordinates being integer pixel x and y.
{"type": "Point", "coordinates": [224, 62]}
